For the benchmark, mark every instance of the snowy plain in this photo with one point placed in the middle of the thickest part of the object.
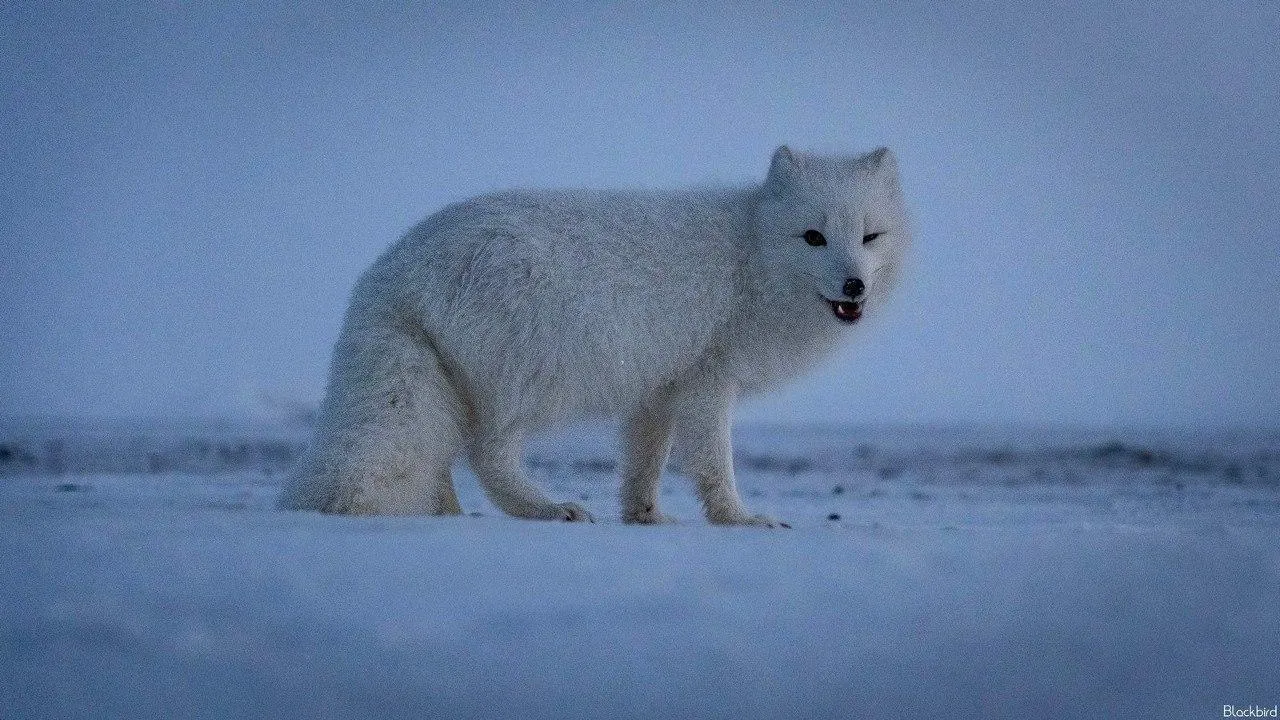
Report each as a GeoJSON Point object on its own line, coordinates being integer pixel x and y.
{"type": "Point", "coordinates": [930, 572]}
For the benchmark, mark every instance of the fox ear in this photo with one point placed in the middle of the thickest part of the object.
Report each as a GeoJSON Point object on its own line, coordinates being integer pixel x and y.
{"type": "Point", "coordinates": [882, 160]}
{"type": "Point", "coordinates": [784, 167]}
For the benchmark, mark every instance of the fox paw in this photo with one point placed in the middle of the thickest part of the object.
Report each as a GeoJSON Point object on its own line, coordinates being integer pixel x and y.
{"type": "Point", "coordinates": [573, 512]}
{"type": "Point", "coordinates": [648, 516]}
{"type": "Point", "coordinates": [763, 521]}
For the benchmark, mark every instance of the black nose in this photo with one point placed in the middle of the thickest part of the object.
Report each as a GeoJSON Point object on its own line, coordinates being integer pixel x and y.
{"type": "Point", "coordinates": [853, 287]}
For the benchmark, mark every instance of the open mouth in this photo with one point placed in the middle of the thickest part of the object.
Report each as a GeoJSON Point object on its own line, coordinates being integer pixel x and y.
{"type": "Point", "coordinates": [846, 311]}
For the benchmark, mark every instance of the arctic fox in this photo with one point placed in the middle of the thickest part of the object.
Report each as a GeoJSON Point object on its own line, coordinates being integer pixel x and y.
{"type": "Point", "coordinates": [508, 313]}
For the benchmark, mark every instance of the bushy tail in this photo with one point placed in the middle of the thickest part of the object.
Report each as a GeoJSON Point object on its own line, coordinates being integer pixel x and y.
{"type": "Point", "coordinates": [388, 429]}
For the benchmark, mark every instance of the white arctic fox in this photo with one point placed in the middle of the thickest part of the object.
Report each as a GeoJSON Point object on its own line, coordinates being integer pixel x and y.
{"type": "Point", "coordinates": [508, 313]}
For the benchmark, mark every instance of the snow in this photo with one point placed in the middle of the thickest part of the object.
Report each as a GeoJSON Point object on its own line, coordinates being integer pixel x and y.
{"type": "Point", "coordinates": [971, 573]}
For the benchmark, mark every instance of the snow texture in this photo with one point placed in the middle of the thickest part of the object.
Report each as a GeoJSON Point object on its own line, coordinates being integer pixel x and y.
{"type": "Point", "coordinates": [930, 573]}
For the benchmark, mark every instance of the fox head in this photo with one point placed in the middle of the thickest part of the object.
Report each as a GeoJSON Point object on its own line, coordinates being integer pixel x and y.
{"type": "Point", "coordinates": [834, 228]}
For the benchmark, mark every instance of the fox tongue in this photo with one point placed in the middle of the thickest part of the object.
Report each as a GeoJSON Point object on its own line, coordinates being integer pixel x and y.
{"type": "Point", "coordinates": [846, 311]}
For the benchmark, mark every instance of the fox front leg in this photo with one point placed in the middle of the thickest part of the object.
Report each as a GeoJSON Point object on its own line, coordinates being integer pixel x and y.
{"type": "Point", "coordinates": [705, 451]}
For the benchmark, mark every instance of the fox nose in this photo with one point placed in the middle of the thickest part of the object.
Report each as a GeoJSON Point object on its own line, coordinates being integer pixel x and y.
{"type": "Point", "coordinates": [853, 287]}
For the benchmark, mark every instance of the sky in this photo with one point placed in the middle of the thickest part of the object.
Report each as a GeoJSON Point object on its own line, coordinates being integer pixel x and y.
{"type": "Point", "coordinates": [189, 190]}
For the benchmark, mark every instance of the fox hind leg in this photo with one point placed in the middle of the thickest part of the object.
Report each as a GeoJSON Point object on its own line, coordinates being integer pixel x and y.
{"type": "Point", "coordinates": [495, 458]}
{"type": "Point", "coordinates": [646, 443]}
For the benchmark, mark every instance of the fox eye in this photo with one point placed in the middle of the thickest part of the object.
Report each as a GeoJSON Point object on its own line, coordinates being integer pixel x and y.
{"type": "Point", "coordinates": [869, 237]}
{"type": "Point", "coordinates": [814, 238]}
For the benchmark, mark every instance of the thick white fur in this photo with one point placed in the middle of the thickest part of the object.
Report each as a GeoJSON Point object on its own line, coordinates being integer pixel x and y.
{"type": "Point", "coordinates": [511, 312]}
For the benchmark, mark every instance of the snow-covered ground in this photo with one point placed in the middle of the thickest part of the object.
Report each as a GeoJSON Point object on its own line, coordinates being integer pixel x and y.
{"type": "Point", "coordinates": [931, 572]}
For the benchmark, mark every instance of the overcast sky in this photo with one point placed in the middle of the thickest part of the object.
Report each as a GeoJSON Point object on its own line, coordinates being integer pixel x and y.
{"type": "Point", "coordinates": [188, 190]}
